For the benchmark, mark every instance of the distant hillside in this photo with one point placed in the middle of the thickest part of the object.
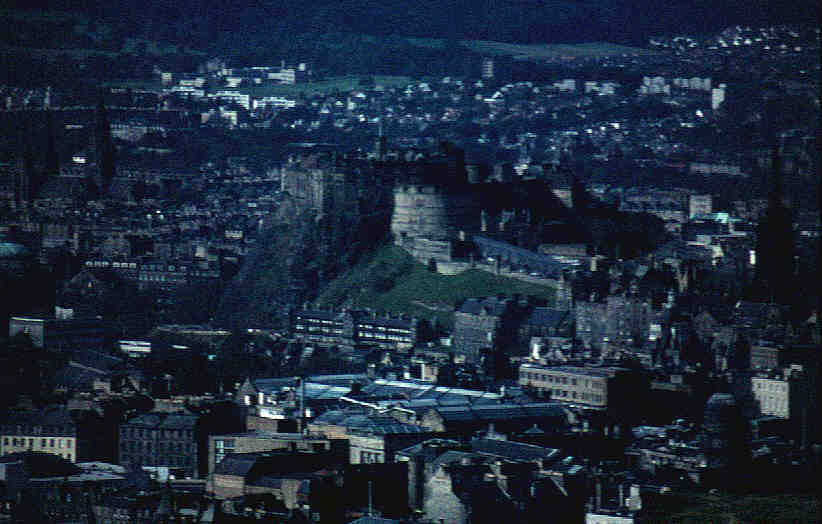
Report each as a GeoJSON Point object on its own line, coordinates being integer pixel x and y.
{"type": "Point", "coordinates": [390, 280]}
{"type": "Point", "coordinates": [520, 21]}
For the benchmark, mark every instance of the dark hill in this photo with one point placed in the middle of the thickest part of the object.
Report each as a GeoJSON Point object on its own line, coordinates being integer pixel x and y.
{"type": "Point", "coordinates": [521, 21]}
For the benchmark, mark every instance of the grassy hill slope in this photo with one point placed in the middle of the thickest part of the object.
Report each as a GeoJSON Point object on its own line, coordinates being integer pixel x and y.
{"type": "Point", "coordinates": [391, 280]}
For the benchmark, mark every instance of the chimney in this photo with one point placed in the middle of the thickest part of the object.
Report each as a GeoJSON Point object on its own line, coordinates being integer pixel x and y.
{"type": "Point", "coordinates": [301, 406]}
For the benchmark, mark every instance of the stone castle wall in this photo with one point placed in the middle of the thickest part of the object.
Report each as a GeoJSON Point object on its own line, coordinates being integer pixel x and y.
{"type": "Point", "coordinates": [432, 213]}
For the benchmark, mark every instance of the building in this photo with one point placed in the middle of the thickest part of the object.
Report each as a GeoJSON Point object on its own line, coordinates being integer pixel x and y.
{"type": "Point", "coordinates": [772, 394]}
{"type": "Point", "coordinates": [161, 439]}
{"type": "Point", "coordinates": [783, 395]}
{"type": "Point", "coordinates": [717, 96]}
{"type": "Point", "coordinates": [58, 333]}
{"type": "Point", "coordinates": [479, 324]}
{"type": "Point", "coordinates": [372, 439]}
{"type": "Point", "coordinates": [219, 446]}
{"type": "Point", "coordinates": [350, 329]}
{"type": "Point", "coordinates": [324, 328]}
{"type": "Point", "coordinates": [584, 386]}
{"type": "Point", "coordinates": [487, 68]}
{"type": "Point", "coordinates": [385, 332]}
{"type": "Point", "coordinates": [54, 430]}
{"type": "Point", "coordinates": [283, 473]}
{"type": "Point", "coordinates": [503, 418]}
{"type": "Point", "coordinates": [700, 205]}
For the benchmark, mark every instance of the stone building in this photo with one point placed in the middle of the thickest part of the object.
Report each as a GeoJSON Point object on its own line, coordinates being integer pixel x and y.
{"type": "Point", "coordinates": [372, 439]}
{"type": "Point", "coordinates": [352, 328]}
{"type": "Point", "coordinates": [60, 333]}
{"type": "Point", "coordinates": [485, 479]}
{"type": "Point", "coordinates": [594, 387]}
{"type": "Point", "coordinates": [429, 220]}
{"type": "Point", "coordinates": [479, 325]}
{"type": "Point", "coordinates": [220, 446]}
{"type": "Point", "coordinates": [161, 439]}
{"type": "Point", "coordinates": [54, 430]}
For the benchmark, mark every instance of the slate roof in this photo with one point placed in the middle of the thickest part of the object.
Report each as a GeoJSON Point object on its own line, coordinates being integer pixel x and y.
{"type": "Point", "coordinates": [77, 376]}
{"type": "Point", "coordinates": [380, 425]}
{"type": "Point", "coordinates": [490, 413]}
{"type": "Point", "coordinates": [474, 306]}
{"type": "Point", "coordinates": [161, 420]}
{"type": "Point", "coordinates": [236, 464]}
{"type": "Point", "coordinates": [419, 449]}
{"type": "Point", "coordinates": [451, 457]}
{"type": "Point", "coordinates": [547, 317]}
{"type": "Point", "coordinates": [513, 450]}
{"type": "Point", "coordinates": [417, 390]}
{"type": "Point", "coordinates": [49, 416]}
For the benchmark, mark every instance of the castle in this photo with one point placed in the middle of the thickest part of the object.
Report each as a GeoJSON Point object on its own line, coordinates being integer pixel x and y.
{"type": "Point", "coordinates": [436, 202]}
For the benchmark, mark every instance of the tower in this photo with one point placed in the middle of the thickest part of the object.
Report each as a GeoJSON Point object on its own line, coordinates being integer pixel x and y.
{"type": "Point", "coordinates": [381, 146]}
{"type": "Point", "coordinates": [487, 68]}
{"type": "Point", "coordinates": [775, 243]}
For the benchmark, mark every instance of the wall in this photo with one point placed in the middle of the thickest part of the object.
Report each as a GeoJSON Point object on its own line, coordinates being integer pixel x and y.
{"type": "Point", "coordinates": [440, 503]}
{"type": "Point", "coordinates": [431, 212]}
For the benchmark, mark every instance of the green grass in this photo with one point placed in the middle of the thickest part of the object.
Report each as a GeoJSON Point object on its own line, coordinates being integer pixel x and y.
{"type": "Point", "coordinates": [391, 280]}
{"type": "Point", "coordinates": [787, 508]}
{"type": "Point", "coordinates": [536, 51]}
{"type": "Point", "coordinates": [545, 51]}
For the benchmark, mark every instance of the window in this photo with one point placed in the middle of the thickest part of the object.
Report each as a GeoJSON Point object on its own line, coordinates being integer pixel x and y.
{"type": "Point", "coordinates": [222, 447]}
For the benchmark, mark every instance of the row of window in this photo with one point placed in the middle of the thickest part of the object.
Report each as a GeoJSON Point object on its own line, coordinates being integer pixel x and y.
{"type": "Point", "coordinates": [21, 429]}
{"type": "Point", "coordinates": [31, 443]}
{"type": "Point", "coordinates": [573, 395]}
{"type": "Point", "coordinates": [313, 329]}
{"type": "Point", "coordinates": [149, 460]}
{"type": "Point", "coordinates": [318, 321]}
{"type": "Point", "coordinates": [368, 457]}
{"type": "Point", "coordinates": [770, 385]}
{"type": "Point", "coordinates": [551, 379]}
{"type": "Point", "coordinates": [171, 447]}
{"type": "Point", "coordinates": [126, 432]}
{"type": "Point", "coordinates": [381, 336]}
{"type": "Point", "coordinates": [373, 327]}
{"type": "Point", "coordinates": [161, 278]}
